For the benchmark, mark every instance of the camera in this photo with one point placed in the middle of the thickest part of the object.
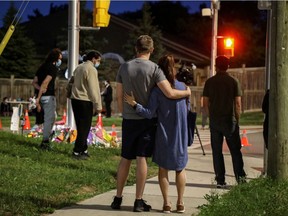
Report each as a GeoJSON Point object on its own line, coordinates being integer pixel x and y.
{"type": "Point", "coordinates": [185, 74]}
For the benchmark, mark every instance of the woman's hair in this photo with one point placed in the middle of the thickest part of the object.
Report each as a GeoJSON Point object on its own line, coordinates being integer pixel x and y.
{"type": "Point", "coordinates": [53, 55]}
{"type": "Point", "coordinates": [92, 54]}
{"type": "Point", "coordinates": [167, 63]}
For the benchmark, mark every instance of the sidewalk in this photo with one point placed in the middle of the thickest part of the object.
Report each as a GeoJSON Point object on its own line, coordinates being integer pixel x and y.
{"type": "Point", "coordinates": [200, 181]}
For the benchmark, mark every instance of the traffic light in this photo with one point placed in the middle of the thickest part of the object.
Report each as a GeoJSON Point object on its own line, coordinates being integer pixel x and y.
{"type": "Point", "coordinates": [229, 46]}
{"type": "Point", "coordinates": [101, 17]}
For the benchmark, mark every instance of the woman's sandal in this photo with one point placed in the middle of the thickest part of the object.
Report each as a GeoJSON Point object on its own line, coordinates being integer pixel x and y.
{"type": "Point", "coordinates": [167, 209]}
{"type": "Point", "coordinates": [180, 208]}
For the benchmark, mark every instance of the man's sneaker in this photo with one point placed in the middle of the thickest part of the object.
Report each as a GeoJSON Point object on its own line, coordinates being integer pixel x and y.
{"type": "Point", "coordinates": [85, 154]}
{"type": "Point", "coordinates": [116, 204]}
{"type": "Point", "coordinates": [140, 205]}
{"type": "Point", "coordinates": [79, 156]}
{"type": "Point", "coordinates": [241, 180]}
{"type": "Point", "coordinates": [45, 145]}
{"type": "Point", "coordinates": [221, 185]}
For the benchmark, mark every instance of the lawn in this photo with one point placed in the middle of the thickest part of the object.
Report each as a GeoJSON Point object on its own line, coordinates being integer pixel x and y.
{"type": "Point", "coordinates": [33, 182]}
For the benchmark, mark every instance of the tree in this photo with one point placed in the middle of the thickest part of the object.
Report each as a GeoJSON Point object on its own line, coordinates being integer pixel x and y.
{"type": "Point", "coordinates": [18, 58]}
{"type": "Point", "coordinates": [145, 27]}
{"type": "Point", "coordinates": [37, 14]}
{"type": "Point", "coordinates": [241, 19]}
{"type": "Point", "coordinates": [247, 24]}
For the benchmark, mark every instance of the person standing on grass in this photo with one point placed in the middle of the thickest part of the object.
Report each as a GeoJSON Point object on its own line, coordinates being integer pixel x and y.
{"type": "Point", "coordinates": [107, 95]}
{"type": "Point", "coordinates": [46, 75]}
{"type": "Point", "coordinates": [139, 76]}
{"type": "Point", "coordinates": [85, 92]}
{"type": "Point", "coordinates": [171, 149]}
{"type": "Point", "coordinates": [222, 100]}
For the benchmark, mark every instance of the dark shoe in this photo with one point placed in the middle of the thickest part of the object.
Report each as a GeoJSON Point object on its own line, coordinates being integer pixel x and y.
{"type": "Point", "coordinates": [116, 204]}
{"type": "Point", "coordinates": [79, 156]}
{"type": "Point", "coordinates": [85, 154]}
{"type": "Point", "coordinates": [241, 180]}
{"type": "Point", "coordinates": [140, 205]}
{"type": "Point", "coordinates": [45, 145]}
{"type": "Point", "coordinates": [221, 185]}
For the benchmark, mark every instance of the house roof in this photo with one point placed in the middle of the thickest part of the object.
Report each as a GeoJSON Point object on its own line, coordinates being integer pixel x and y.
{"type": "Point", "coordinates": [180, 51]}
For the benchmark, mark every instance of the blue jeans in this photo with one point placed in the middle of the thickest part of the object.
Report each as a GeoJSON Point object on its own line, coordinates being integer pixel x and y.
{"type": "Point", "coordinates": [48, 104]}
{"type": "Point", "coordinates": [230, 130]}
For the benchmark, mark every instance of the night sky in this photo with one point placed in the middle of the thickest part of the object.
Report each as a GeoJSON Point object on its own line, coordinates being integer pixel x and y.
{"type": "Point", "coordinates": [115, 7]}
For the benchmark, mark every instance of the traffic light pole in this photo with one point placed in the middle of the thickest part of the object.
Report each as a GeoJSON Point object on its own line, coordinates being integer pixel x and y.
{"type": "Point", "coordinates": [73, 49]}
{"type": "Point", "coordinates": [215, 4]}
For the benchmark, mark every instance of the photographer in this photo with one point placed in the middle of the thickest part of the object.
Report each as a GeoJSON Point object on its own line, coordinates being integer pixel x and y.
{"type": "Point", "coordinates": [186, 75]}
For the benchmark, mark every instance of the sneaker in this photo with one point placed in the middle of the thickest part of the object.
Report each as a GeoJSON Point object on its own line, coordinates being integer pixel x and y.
{"type": "Point", "coordinates": [140, 205]}
{"type": "Point", "coordinates": [85, 154]}
{"type": "Point", "coordinates": [221, 185]}
{"type": "Point", "coordinates": [241, 180]}
{"type": "Point", "coordinates": [180, 208]}
{"type": "Point", "coordinates": [116, 204]}
{"type": "Point", "coordinates": [79, 156]}
{"type": "Point", "coordinates": [45, 145]}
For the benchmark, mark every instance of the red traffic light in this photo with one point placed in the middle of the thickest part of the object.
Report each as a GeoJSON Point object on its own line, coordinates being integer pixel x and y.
{"type": "Point", "coordinates": [229, 46]}
{"type": "Point", "coordinates": [228, 43]}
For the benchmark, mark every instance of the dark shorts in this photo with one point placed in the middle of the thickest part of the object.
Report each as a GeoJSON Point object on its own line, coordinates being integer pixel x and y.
{"type": "Point", "coordinates": [138, 138]}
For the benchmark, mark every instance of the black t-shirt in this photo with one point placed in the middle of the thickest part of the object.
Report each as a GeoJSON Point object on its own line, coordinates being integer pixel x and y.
{"type": "Point", "coordinates": [47, 68]}
{"type": "Point", "coordinates": [221, 90]}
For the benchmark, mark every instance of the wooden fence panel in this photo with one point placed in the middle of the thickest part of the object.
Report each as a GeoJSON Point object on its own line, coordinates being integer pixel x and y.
{"type": "Point", "coordinates": [252, 83]}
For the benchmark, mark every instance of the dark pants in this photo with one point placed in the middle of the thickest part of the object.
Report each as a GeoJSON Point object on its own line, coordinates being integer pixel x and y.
{"type": "Point", "coordinates": [229, 130]}
{"type": "Point", "coordinates": [83, 113]}
{"type": "Point", "coordinates": [108, 108]}
{"type": "Point", "coordinates": [39, 117]}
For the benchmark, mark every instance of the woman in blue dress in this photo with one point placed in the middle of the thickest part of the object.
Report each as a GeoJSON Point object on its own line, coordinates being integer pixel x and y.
{"type": "Point", "coordinates": [170, 151]}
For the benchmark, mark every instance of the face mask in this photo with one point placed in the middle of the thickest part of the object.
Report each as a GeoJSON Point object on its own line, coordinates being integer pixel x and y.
{"type": "Point", "coordinates": [58, 63]}
{"type": "Point", "coordinates": [97, 64]}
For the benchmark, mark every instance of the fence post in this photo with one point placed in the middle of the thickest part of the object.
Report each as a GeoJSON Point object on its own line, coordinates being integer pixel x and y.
{"type": "Point", "coordinates": [12, 78]}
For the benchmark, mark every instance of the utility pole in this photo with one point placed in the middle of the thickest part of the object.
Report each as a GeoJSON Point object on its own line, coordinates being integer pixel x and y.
{"type": "Point", "coordinates": [267, 5]}
{"type": "Point", "coordinates": [278, 98]}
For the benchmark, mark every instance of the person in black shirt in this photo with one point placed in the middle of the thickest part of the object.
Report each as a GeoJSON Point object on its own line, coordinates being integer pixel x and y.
{"type": "Point", "coordinates": [107, 94]}
{"type": "Point", "coordinates": [46, 75]}
{"type": "Point", "coordinates": [5, 107]}
{"type": "Point", "coordinates": [222, 100]}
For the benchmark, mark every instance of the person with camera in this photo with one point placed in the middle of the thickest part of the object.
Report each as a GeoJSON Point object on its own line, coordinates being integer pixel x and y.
{"type": "Point", "coordinates": [171, 149]}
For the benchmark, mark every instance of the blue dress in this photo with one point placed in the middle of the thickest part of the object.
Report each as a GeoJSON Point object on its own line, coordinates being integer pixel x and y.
{"type": "Point", "coordinates": [172, 136]}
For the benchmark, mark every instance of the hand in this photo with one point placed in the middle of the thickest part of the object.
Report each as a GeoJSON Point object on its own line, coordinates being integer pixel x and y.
{"type": "Point", "coordinates": [38, 106]}
{"type": "Point", "coordinates": [188, 91]}
{"type": "Point", "coordinates": [130, 99]}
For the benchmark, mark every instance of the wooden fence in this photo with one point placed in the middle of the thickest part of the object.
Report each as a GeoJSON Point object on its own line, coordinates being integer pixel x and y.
{"type": "Point", "coordinates": [252, 81]}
